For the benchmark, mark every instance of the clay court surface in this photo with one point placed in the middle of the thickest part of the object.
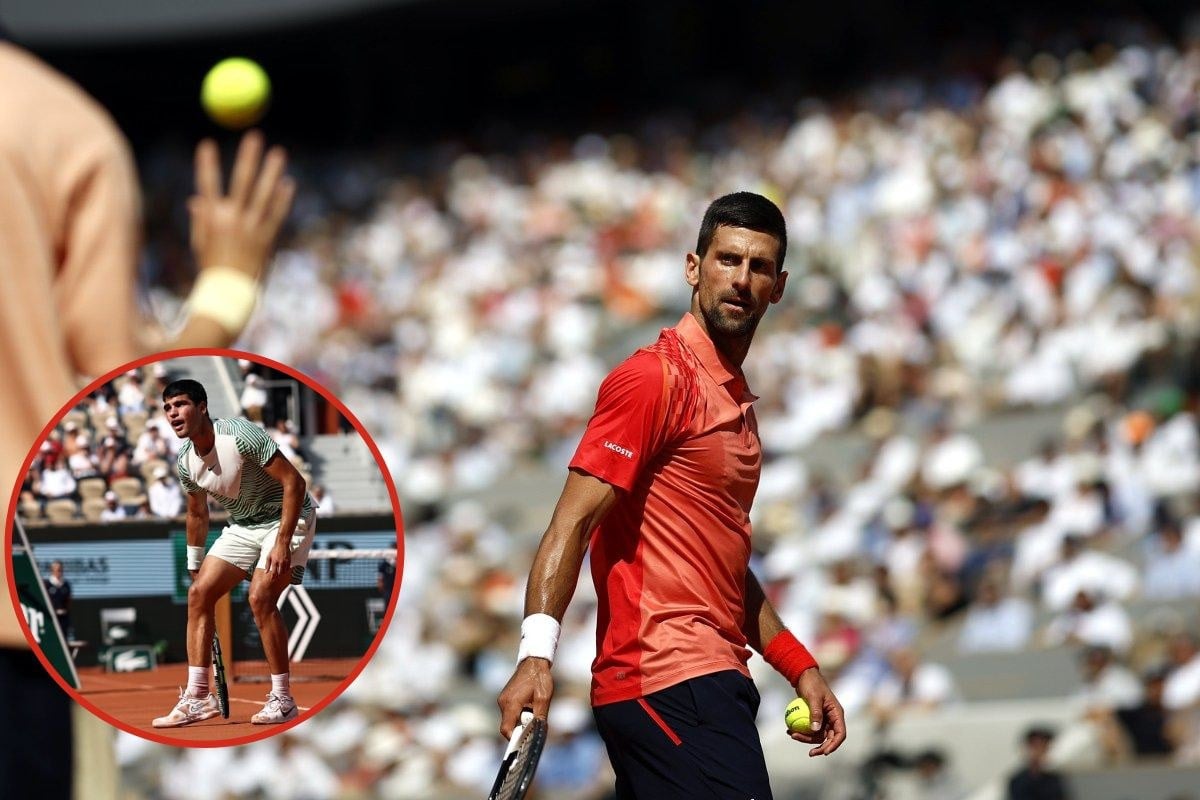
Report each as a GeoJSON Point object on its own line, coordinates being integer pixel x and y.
{"type": "Point", "coordinates": [136, 698]}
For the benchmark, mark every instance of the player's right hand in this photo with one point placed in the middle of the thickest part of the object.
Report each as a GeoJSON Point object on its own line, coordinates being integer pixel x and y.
{"type": "Point", "coordinates": [531, 686]}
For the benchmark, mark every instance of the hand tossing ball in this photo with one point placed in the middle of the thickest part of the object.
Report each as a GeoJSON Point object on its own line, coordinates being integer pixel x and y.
{"type": "Point", "coordinates": [797, 716]}
{"type": "Point", "coordinates": [235, 93]}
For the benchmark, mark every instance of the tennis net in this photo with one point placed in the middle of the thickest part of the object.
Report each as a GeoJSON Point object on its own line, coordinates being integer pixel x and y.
{"type": "Point", "coordinates": [332, 617]}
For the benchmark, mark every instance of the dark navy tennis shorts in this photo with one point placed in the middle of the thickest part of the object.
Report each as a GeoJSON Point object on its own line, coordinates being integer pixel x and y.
{"type": "Point", "coordinates": [35, 730]}
{"type": "Point", "coordinates": [695, 740]}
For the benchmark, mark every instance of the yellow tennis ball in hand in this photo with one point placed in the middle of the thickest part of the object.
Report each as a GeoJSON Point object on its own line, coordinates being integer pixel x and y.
{"type": "Point", "coordinates": [235, 93]}
{"type": "Point", "coordinates": [797, 716]}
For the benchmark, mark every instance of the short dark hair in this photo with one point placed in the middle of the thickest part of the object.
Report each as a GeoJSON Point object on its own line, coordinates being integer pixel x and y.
{"type": "Point", "coordinates": [186, 386]}
{"type": "Point", "coordinates": [743, 210]}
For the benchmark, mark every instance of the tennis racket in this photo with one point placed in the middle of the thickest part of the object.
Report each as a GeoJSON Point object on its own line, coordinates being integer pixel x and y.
{"type": "Point", "coordinates": [219, 669]}
{"type": "Point", "coordinates": [520, 759]}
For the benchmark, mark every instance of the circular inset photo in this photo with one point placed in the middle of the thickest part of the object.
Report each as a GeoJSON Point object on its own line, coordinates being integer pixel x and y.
{"type": "Point", "coordinates": [205, 547]}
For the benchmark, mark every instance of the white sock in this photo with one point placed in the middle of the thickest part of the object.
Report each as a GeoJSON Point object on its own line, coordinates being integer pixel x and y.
{"type": "Point", "coordinates": [198, 681]}
{"type": "Point", "coordinates": [281, 684]}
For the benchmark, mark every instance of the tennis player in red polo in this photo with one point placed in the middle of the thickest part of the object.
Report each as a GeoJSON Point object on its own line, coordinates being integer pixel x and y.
{"type": "Point", "coordinates": [661, 488]}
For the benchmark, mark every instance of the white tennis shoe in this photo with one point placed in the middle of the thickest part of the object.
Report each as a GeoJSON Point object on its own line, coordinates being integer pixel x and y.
{"type": "Point", "coordinates": [279, 708]}
{"type": "Point", "coordinates": [188, 710]}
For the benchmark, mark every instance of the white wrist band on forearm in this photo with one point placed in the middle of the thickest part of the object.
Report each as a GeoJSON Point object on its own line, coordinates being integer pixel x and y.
{"type": "Point", "coordinates": [225, 295]}
{"type": "Point", "coordinates": [539, 637]}
{"type": "Point", "coordinates": [194, 556]}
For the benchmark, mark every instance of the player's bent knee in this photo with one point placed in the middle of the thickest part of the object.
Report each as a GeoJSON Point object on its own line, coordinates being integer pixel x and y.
{"type": "Point", "coordinates": [201, 597]}
{"type": "Point", "coordinates": [262, 603]}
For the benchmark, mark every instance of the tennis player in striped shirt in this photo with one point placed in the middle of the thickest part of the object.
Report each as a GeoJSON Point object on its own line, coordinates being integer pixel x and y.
{"type": "Point", "coordinates": [272, 521]}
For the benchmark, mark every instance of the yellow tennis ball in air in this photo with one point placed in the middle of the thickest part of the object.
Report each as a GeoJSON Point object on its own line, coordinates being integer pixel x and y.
{"type": "Point", "coordinates": [235, 93]}
{"type": "Point", "coordinates": [797, 716]}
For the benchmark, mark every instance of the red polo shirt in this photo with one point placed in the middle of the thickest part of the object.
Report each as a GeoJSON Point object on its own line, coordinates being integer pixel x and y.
{"type": "Point", "coordinates": [675, 431]}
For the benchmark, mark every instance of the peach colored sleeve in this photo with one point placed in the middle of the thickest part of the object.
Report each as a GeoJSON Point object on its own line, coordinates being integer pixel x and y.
{"type": "Point", "coordinates": [95, 282]}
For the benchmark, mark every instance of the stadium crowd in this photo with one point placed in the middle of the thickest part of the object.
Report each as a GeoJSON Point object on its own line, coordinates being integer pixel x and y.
{"type": "Point", "coordinates": [959, 251]}
{"type": "Point", "coordinates": [112, 457]}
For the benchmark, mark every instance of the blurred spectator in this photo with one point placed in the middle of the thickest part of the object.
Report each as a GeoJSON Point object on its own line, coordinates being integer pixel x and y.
{"type": "Point", "coordinates": [164, 495]}
{"type": "Point", "coordinates": [1081, 568]}
{"type": "Point", "coordinates": [1147, 725]}
{"type": "Point", "coordinates": [996, 621]}
{"type": "Point", "coordinates": [324, 500]}
{"type": "Point", "coordinates": [58, 588]}
{"type": "Point", "coordinates": [254, 398]}
{"type": "Point", "coordinates": [1107, 684]}
{"type": "Point", "coordinates": [1036, 781]}
{"type": "Point", "coordinates": [935, 780]}
{"type": "Point", "coordinates": [1171, 572]}
{"type": "Point", "coordinates": [1093, 620]}
{"type": "Point", "coordinates": [912, 685]}
{"type": "Point", "coordinates": [1182, 688]}
{"type": "Point", "coordinates": [113, 511]}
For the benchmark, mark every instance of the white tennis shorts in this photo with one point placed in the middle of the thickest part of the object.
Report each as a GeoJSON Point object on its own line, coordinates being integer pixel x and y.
{"type": "Point", "coordinates": [248, 548]}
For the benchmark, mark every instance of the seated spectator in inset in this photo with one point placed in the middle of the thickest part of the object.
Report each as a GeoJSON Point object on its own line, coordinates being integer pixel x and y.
{"type": "Point", "coordinates": [254, 398]}
{"type": "Point", "coordinates": [1083, 568]}
{"type": "Point", "coordinates": [1092, 620]}
{"type": "Point", "coordinates": [995, 621]}
{"type": "Point", "coordinates": [1182, 687]}
{"type": "Point", "coordinates": [150, 446]}
{"type": "Point", "coordinates": [165, 496]}
{"type": "Point", "coordinates": [82, 462]}
{"type": "Point", "coordinates": [1081, 510]}
{"type": "Point", "coordinates": [284, 434]}
{"type": "Point", "coordinates": [1107, 684]}
{"type": "Point", "coordinates": [113, 457]}
{"type": "Point", "coordinates": [131, 399]}
{"type": "Point", "coordinates": [1035, 780]}
{"type": "Point", "coordinates": [912, 685]}
{"type": "Point", "coordinates": [113, 510]}
{"type": "Point", "coordinates": [320, 495]}
{"type": "Point", "coordinates": [56, 481]}
{"type": "Point", "coordinates": [1172, 571]}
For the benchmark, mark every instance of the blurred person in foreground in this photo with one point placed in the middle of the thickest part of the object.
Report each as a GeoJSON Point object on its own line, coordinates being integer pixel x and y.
{"type": "Point", "coordinates": [69, 221]}
{"type": "Point", "coordinates": [665, 477]}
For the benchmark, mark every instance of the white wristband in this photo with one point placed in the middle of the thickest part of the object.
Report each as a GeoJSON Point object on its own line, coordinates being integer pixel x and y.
{"type": "Point", "coordinates": [194, 556]}
{"type": "Point", "coordinates": [539, 637]}
{"type": "Point", "coordinates": [225, 295]}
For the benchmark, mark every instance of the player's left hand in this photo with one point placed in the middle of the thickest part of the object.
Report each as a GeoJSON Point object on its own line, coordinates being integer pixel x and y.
{"type": "Point", "coordinates": [829, 720]}
{"type": "Point", "coordinates": [279, 561]}
{"type": "Point", "coordinates": [237, 230]}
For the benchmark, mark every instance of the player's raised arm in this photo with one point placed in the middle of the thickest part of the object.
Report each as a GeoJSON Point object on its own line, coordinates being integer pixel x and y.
{"type": "Point", "coordinates": [583, 503]}
{"type": "Point", "coordinates": [766, 633]}
{"type": "Point", "coordinates": [279, 468]}
{"type": "Point", "coordinates": [233, 237]}
{"type": "Point", "coordinates": [197, 530]}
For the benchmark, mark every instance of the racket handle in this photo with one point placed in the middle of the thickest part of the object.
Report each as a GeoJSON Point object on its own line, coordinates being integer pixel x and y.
{"type": "Point", "coordinates": [526, 718]}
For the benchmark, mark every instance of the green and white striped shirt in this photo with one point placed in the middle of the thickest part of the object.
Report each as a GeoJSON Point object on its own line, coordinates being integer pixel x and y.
{"type": "Point", "coordinates": [232, 472]}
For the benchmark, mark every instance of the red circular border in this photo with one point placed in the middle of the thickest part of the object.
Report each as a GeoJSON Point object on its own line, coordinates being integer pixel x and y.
{"type": "Point", "coordinates": [310, 383]}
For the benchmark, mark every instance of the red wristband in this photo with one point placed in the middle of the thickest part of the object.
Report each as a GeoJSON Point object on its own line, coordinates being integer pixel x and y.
{"type": "Point", "coordinates": [788, 656]}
